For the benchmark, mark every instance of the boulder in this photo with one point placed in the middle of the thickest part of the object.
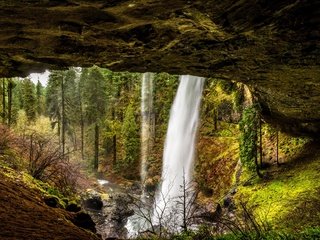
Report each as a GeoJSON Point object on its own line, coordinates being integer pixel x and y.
{"type": "Point", "coordinates": [83, 220]}
{"type": "Point", "coordinates": [92, 200]}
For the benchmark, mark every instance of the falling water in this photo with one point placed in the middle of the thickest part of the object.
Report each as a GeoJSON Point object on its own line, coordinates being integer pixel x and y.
{"type": "Point", "coordinates": [179, 150]}
{"type": "Point", "coordinates": [147, 124]}
{"type": "Point", "coordinates": [135, 223]}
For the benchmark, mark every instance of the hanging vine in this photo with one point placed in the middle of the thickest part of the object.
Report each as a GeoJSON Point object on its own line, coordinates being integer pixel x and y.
{"type": "Point", "coordinates": [249, 137]}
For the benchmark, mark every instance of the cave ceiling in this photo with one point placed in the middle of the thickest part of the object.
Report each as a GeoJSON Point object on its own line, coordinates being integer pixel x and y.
{"type": "Point", "coordinates": [272, 46]}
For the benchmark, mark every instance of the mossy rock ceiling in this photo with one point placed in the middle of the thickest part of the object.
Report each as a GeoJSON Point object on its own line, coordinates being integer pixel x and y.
{"type": "Point", "coordinates": [272, 46]}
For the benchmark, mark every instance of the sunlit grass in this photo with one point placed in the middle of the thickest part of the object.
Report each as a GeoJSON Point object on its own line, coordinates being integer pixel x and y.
{"type": "Point", "coordinates": [287, 195]}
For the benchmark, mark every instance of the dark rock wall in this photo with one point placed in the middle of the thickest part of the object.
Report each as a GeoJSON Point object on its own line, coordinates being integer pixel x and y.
{"type": "Point", "coordinates": [272, 46]}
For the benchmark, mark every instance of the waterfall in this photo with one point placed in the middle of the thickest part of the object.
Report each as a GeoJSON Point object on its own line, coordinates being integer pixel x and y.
{"type": "Point", "coordinates": [178, 156]}
{"type": "Point", "coordinates": [179, 149]}
{"type": "Point", "coordinates": [147, 123]}
{"type": "Point", "coordinates": [136, 223]}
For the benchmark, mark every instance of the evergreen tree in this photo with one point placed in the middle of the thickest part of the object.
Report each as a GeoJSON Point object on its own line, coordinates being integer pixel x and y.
{"type": "Point", "coordinates": [15, 100]}
{"type": "Point", "coordinates": [29, 99]}
{"type": "Point", "coordinates": [130, 135]}
{"type": "Point", "coordinates": [80, 97]}
{"type": "Point", "coordinates": [4, 115]}
{"type": "Point", "coordinates": [11, 86]}
{"type": "Point", "coordinates": [96, 100]}
{"type": "Point", "coordinates": [62, 104]}
{"type": "Point", "coordinates": [71, 105]}
{"type": "Point", "coordinates": [53, 99]}
{"type": "Point", "coordinates": [40, 98]}
{"type": "Point", "coordinates": [249, 137]}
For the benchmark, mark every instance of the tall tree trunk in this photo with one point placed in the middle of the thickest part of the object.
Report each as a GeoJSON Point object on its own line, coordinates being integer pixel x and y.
{"type": "Point", "coordinates": [82, 133]}
{"type": "Point", "coordinates": [63, 116]}
{"type": "Point", "coordinates": [256, 151]}
{"type": "Point", "coordinates": [260, 140]}
{"type": "Point", "coordinates": [81, 122]}
{"type": "Point", "coordinates": [96, 147]}
{"type": "Point", "coordinates": [3, 100]}
{"type": "Point", "coordinates": [277, 147]}
{"type": "Point", "coordinates": [215, 119]}
{"type": "Point", "coordinates": [114, 139]}
{"type": "Point", "coordinates": [10, 87]}
{"type": "Point", "coordinates": [59, 131]}
{"type": "Point", "coordinates": [31, 167]}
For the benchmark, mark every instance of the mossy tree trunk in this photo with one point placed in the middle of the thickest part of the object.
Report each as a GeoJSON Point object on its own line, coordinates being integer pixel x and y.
{"type": "Point", "coordinates": [96, 147]}
{"type": "Point", "coordinates": [3, 100]}
{"type": "Point", "coordinates": [63, 115]}
{"type": "Point", "coordinates": [10, 87]}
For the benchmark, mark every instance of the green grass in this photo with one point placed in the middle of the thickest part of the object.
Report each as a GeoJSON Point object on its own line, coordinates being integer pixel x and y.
{"type": "Point", "coordinates": [289, 197]}
{"type": "Point", "coordinates": [202, 234]}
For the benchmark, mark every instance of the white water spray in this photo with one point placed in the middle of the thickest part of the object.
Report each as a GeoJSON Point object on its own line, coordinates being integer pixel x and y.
{"type": "Point", "coordinates": [179, 150]}
{"type": "Point", "coordinates": [136, 223]}
{"type": "Point", "coordinates": [147, 123]}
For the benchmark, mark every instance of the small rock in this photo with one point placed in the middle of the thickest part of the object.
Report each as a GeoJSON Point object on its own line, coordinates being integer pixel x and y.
{"type": "Point", "coordinates": [72, 207]}
{"type": "Point", "coordinates": [92, 200]}
{"type": "Point", "coordinates": [84, 220]}
{"type": "Point", "coordinates": [93, 203]}
{"type": "Point", "coordinates": [52, 201]}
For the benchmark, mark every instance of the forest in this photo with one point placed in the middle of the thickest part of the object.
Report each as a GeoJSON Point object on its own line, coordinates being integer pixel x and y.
{"type": "Point", "coordinates": [97, 142]}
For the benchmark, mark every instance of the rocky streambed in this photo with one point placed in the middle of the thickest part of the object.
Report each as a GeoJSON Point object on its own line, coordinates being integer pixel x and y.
{"type": "Point", "coordinates": [109, 207]}
{"type": "Point", "coordinates": [115, 209]}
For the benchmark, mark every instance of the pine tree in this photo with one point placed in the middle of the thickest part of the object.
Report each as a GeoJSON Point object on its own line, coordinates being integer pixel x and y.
{"type": "Point", "coordinates": [53, 100]}
{"type": "Point", "coordinates": [4, 115]}
{"type": "Point", "coordinates": [62, 104]}
{"type": "Point", "coordinates": [130, 135]}
{"type": "Point", "coordinates": [80, 97]}
{"type": "Point", "coordinates": [29, 99]}
{"type": "Point", "coordinates": [71, 105]}
{"type": "Point", "coordinates": [11, 86]}
{"type": "Point", "coordinates": [40, 98]}
{"type": "Point", "coordinates": [96, 100]}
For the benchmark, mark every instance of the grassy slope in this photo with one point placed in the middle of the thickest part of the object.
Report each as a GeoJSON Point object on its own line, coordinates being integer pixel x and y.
{"type": "Point", "coordinates": [289, 197]}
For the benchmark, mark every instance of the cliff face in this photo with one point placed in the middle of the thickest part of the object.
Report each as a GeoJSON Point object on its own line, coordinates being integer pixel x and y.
{"type": "Point", "coordinates": [272, 46]}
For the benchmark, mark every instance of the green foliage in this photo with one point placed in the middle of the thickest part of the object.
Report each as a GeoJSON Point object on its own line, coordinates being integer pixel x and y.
{"type": "Point", "coordinates": [248, 138]}
{"type": "Point", "coordinates": [238, 98]}
{"type": "Point", "coordinates": [95, 96]}
{"type": "Point", "coordinates": [130, 135]}
{"type": "Point", "coordinates": [29, 99]}
{"type": "Point", "coordinates": [53, 97]}
{"type": "Point", "coordinates": [227, 86]}
{"type": "Point", "coordinates": [165, 90]}
{"type": "Point", "coordinates": [204, 233]}
{"type": "Point", "coordinates": [290, 197]}
{"type": "Point", "coordinates": [40, 99]}
{"type": "Point", "coordinates": [310, 234]}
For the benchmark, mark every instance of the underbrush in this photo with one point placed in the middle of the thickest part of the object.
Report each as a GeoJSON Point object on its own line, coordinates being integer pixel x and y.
{"type": "Point", "coordinates": [40, 156]}
{"type": "Point", "coordinates": [307, 234]}
{"type": "Point", "coordinates": [204, 233]}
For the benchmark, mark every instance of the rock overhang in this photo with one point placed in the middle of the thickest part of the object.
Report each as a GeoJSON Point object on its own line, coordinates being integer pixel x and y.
{"type": "Point", "coordinates": [271, 46]}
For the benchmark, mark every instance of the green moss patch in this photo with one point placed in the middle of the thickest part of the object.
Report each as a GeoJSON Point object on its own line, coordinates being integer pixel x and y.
{"type": "Point", "coordinates": [289, 197]}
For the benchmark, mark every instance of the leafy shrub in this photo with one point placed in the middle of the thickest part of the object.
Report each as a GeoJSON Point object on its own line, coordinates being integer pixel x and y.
{"type": "Point", "coordinates": [45, 161]}
{"type": "Point", "coordinates": [249, 137]}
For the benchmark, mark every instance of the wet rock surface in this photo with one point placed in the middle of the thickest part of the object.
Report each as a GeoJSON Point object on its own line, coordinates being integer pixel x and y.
{"type": "Point", "coordinates": [111, 218]}
{"type": "Point", "coordinates": [92, 200]}
{"type": "Point", "coordinates": [272, 46]}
